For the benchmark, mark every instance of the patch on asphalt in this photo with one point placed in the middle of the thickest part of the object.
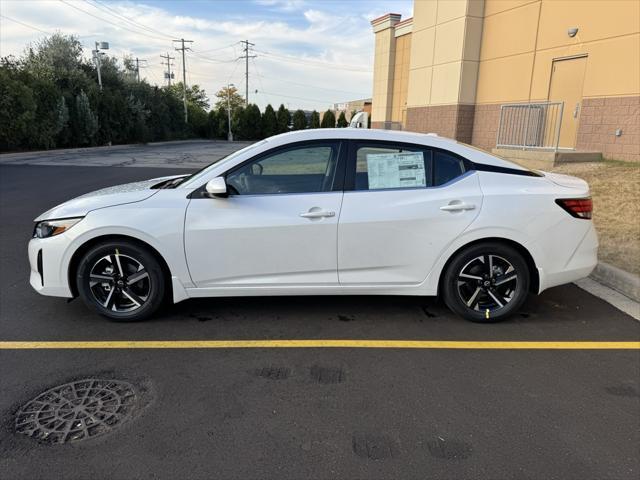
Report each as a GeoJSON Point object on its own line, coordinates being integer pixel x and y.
{"type": "Point", "coordinates": [77, 411]}
{"type": "Point", "coordinates": [328, 375]}
{"type": "Point", "coordinates": [346, 318]}
{"type": "Point", "coordinates": [427, 313]}
{"type": "Point", "coordinates": [449, 449]}
{"type": "Point", "coordinates": [623, 391]}
{"type": "Point", "coordinates": [375, 447]}
{"type": "Point", "coordinates": [274, 373]}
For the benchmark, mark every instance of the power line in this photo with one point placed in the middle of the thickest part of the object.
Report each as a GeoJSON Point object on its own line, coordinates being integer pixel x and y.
{"type": "Point", "coordinates": [111, 12]}
{"type": "Point", "coordinates": [246, 56]}
{"type": "Point", "coordinates": [184, 74]}
{"type": "Point", "coordinates": [312, 63]}
{"type": "Point", "coordinates": [311, 86]}
{"type": "Point", "coordinates": [25, 25]}
{"type": "Point", "coordinates": [102, 19]}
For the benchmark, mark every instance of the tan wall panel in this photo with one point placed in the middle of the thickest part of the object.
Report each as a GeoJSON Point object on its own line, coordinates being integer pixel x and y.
{"type": "Point", "coordinates": [450, 9]}
{"type": "Point", "coordinates": [424, 14]}
{"type": "Point", "coordinates": [383, 75]}
{"type": "Point", "coordinates": [595, 20]}
{"type": "Point", "coordinates": [445, 83]}
{"type": "Point", "coordinates": [449, 41]}
{"type": "Point", "coordinates": [504, 79]}
{"type": "Point", "coordinates": [422, 55]}
{"type": "Point", "coordinates": [491, 7]}
{"type": "Point", "coordinates": [419, 87]}
{"type": "Point", "coordinates": [613, 67]}
{"type": "Point", "coordinates": [511, 32]}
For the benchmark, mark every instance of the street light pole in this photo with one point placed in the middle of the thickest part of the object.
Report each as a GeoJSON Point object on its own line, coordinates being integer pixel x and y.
{"type": "Point", "coordinates": [229, 133]}
{"type": "Point", "coordinates": [96, 53]}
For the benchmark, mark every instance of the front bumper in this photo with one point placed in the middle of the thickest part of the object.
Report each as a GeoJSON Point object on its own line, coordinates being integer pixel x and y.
{"type": "Point", "coordinates": [48, 272]}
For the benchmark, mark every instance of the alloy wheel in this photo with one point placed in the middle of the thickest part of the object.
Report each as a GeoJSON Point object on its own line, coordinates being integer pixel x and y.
{"type": "Point", "coordinates": [119, 283]}
{"type": "Point", "coordinates": [487, 283]}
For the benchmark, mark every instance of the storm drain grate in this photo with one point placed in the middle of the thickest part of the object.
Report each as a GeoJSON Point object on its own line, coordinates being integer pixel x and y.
{"type": "Point", "coordinates": [77, 411]}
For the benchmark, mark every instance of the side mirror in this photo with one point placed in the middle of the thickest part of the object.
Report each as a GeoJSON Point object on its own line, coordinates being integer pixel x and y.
{"type": "Point", "coordinates": [216, 187]}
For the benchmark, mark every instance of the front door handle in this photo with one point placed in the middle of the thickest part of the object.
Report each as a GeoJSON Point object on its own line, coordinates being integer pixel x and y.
{"type": "Point", "coordinates": [317, 214]}
{"type": "Point", "coordinates": [457, 206]}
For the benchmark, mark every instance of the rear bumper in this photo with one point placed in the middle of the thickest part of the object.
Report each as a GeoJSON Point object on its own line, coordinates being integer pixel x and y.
{"type": "Point", "coordinates": [45, 259]}
{"type": "Point", "coordinates": [580, 264]}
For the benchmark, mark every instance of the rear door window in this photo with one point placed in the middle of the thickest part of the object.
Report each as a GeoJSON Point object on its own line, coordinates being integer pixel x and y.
{"type": "Point", "coordinates": [383, 167]}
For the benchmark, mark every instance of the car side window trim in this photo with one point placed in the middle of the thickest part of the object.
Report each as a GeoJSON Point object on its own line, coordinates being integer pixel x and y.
{"type": "Point", "coordinates": [338, 178]}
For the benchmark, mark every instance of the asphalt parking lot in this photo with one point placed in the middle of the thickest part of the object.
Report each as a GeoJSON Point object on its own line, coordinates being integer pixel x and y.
{"type": "Point", "coordinates": [315, 412]}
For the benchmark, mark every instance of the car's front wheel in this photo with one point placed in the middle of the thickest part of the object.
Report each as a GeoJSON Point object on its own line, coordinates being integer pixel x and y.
{"type": "Point", "coordinates": [486, 282]}
{"type": "Point", "coordinates": [121, 280]}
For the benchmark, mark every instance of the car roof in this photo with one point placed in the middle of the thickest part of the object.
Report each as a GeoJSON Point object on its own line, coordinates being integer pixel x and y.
{"type": "Point", "coordinates": [427, 139]}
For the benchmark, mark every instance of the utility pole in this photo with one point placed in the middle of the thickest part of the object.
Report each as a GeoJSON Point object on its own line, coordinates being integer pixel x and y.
{"type": "Point", "coordinates": [246, 56]}
{"type": "Point", "coordinates": [229, 134]}
{"type": "Point", "coordinates": [138, 60]}
{"type": "Point", "coordinates": [184, 75]}
{"type": "Point", "coordinates": [168, 64]}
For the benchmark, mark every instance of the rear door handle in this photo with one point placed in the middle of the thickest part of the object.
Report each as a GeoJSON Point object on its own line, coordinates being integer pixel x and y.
{"type": "Point", "coordinates": [456, 206]}
{"type": "Point", "coordinates": [317, 214]}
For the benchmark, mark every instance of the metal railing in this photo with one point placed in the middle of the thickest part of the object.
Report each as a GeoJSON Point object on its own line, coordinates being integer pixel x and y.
{"type": "Point", "coordinates": [530, 125]}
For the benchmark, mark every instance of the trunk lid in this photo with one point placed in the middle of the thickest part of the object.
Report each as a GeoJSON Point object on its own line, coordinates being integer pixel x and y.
{"type": "Point", "coordinates": [568, 181]}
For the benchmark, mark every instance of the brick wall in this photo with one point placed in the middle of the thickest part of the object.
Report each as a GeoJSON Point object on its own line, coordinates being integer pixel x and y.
{"type": "Point", "coordinates": [453, 121]}
{"type": "Point", "coordinates": [485, 126]}
{"type": "Point", "coordinates": [599, 120]}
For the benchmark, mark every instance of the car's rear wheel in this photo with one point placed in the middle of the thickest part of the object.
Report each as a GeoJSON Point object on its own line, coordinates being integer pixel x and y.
{"type": "Point", "coordinates": [486, 282]}
{"type": "Point", "coordinates": [121, 280]}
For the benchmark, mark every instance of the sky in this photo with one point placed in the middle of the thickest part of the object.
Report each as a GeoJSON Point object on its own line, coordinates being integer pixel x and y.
{"type": "Point", "coordinates": [309, 53]}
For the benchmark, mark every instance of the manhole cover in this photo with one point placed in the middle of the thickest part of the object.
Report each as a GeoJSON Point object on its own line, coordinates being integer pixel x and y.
{"type": "Point", "coordinates": [76, 411]}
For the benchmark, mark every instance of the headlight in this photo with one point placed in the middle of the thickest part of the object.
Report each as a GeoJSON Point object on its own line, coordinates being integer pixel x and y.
{"type": "Point", "coordinates": [49, 228]}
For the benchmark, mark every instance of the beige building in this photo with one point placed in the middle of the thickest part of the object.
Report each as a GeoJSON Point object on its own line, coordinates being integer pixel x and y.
{"type": "Point", "coordinates": [517, 73]}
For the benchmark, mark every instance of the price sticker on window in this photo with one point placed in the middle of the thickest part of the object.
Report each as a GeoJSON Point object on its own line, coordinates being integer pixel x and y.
{"type": "Point", "coordinates": [396, 170]}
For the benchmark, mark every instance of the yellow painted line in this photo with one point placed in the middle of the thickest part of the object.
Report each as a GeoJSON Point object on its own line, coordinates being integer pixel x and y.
{"type": "Point", "coordinates": [415, 344]}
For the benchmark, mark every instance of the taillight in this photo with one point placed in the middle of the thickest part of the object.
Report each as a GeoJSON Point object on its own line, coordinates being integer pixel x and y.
{"type": "Point", "coordinates": [577, 207]}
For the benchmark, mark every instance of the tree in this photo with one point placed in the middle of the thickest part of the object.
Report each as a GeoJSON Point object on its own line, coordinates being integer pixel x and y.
{"type": "Point", "coordinates": [315, 120]}
{"type": "Point", "coordinates": [251, 123]}
{"type": "Point", "coordinates": [299, 120]}
{"type": "Point", "coordinates": [328, 120]}
{"type": "Point", "coordinates": [195, 95]}
{"type": "Point", "coordinates": [49, 97]}
{"type": "Point", "coordinates": [282, 119]}
{"type": "Point", "coordinates": [269, 122]}
{"type": "Point", "coordinates": [17, 111]}
{"type": "Point", "coordinates": [234, 98]}
{"type": "Point", "coordinates": [86, 122]}
{"type": "Point", "coordinates": [342, 121]}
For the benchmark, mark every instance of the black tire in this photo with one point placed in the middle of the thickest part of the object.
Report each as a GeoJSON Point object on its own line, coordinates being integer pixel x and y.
{"type": "Point", "coordinates": [132, 288]}
{"type": "Point", "coordinates": [471, 297]}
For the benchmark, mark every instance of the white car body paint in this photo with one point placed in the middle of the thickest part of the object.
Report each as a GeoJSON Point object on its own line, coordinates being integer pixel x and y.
{"type": "Point", "coordinates": [377, 242]}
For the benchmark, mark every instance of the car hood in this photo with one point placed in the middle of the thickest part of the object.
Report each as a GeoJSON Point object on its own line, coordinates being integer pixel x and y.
{"type": "Point", "coordinates": [106, 197]}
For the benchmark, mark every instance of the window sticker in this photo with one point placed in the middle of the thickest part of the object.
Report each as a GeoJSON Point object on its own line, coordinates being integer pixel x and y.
{"type": "Point", "coordinates": [396, 170]}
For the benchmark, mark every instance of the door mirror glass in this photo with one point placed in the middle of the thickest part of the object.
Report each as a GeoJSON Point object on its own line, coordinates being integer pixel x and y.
{"type": "Point", "coordinates": [216, 187]}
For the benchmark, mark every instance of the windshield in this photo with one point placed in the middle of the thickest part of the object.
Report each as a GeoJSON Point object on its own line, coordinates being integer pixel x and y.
{"type": "Point", "coordinates": [202, 173]}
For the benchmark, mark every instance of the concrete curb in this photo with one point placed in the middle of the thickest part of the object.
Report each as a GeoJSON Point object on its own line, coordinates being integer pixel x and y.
{"type": "Point", "coordinates": [620, 280]}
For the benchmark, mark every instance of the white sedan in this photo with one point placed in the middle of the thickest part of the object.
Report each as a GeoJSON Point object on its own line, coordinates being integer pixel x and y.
{"type": "Point", "coordinates": [323, 212]}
